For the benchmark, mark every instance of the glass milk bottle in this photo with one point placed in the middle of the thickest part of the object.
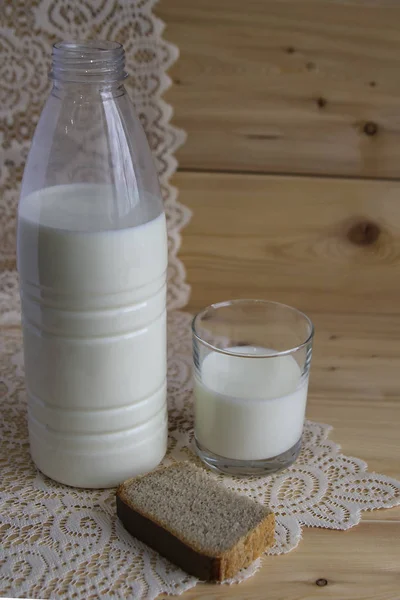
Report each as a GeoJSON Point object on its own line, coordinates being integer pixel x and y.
{"type": "Point", "coordinates": [92, 259]}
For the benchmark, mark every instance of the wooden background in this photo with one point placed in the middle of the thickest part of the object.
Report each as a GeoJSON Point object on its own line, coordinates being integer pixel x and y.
{"type": "Point", "coordinates": [292, 163]}
{"type": "Point", "coordinates": [287, 86]}
{"type": "Point", "coordinates": [291, 169]}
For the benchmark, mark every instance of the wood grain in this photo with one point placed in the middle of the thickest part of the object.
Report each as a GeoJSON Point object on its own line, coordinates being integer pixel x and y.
{"type": "Point", "coordinates": [350, 562]}
{"type": "Point", "coordinates": [355, 386]}
{"type": "Point", "coordinates": [320, 244]}
{"type": "Point", "coordinates": [287, 86]}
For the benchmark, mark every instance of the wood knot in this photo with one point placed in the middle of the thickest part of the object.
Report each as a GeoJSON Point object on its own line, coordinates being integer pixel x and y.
{"type": "Point", "coordinates": [290, 50]}
{"type": "Point", "coordinates": [322, 582]}
{"type": "Point", "coordinates": [370, 128]}
{"type": "Point", "coordinates": [364, 234]}
{"type": "Point", "coordinates": [321, 102]}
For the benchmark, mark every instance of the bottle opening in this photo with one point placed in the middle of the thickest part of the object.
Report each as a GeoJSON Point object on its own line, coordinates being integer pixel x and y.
{"type": "Point", "coordinates": [90, 62]}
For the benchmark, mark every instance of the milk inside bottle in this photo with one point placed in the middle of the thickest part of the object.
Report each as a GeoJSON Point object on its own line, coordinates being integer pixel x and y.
{"type": "Point", "coordinates": [92, 260]}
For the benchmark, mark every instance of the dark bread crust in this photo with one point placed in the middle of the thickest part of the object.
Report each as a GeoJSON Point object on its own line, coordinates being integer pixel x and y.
{"type": "Point", "coordinates": [206, 568]}
{"type": "Point", "coordinates": [165, 543]}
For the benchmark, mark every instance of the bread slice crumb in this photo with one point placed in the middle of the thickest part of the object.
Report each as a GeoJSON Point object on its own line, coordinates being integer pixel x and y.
{"type": "Point", "coordinates": [194, 521]}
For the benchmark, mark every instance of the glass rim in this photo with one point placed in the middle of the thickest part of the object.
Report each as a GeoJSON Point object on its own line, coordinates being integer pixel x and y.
{"type": "Point", "coordinates": [238, 301]}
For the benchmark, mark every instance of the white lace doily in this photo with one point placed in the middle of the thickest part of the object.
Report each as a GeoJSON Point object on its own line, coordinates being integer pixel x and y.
{"type": "Point", "coordinates": [58, 542]}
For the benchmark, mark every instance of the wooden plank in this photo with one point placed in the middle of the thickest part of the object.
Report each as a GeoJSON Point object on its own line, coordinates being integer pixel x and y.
{"type": "Point", "coordinates": [288, 86]}
{"type": "Point", "coordinates": [320, 244]}
{"type": "Point", "coordinates": [359, 564]}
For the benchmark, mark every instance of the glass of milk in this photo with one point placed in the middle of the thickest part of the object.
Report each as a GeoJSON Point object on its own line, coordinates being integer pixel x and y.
{"type": "Point", "coordinates": [251, 368]}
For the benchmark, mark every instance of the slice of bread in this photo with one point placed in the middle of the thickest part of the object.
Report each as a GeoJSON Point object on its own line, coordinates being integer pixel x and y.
{"type": "Point", "coordinates": [194, 521]}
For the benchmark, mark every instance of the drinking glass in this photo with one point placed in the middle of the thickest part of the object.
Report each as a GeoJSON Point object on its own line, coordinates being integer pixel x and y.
{"type": "Point", "coordinates": [251, 370]}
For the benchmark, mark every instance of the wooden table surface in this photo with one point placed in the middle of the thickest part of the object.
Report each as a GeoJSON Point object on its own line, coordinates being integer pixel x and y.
{"type": "Point", "coordinates": [306, 241]}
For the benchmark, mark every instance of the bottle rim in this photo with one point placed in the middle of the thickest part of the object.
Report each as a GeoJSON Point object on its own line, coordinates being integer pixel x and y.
{"type": "Point", "coordinates": [88, 61]}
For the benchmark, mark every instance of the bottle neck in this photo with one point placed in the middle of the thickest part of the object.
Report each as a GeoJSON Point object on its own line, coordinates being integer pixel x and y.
{"type": "Point", "coordinates": [98, 64]}
{"type": "Point", "coordinates": [88, 91]}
